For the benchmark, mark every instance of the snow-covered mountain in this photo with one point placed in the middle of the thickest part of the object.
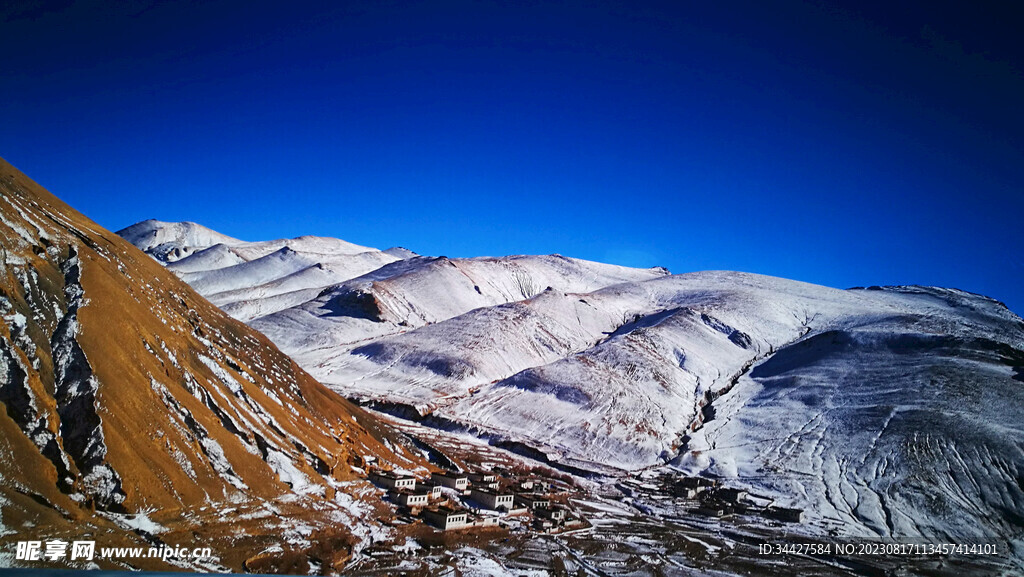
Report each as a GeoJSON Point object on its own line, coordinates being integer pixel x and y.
{"type": "Point", "coordinates": [169, 242]}
{"type": "Point", "coordinates": [890, 412]}
{"type": "Point", "coordinates": [252, 279]}
{"type": "Point", "coordinates": [136, 413]}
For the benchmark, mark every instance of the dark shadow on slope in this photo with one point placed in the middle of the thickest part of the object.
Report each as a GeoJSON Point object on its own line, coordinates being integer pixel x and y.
{"type": "Point", "coordinates": [817, 347]}
{"type": "Point", "coordinates": [355, 304]}
{"type": "Point", "coordinates": [448, 366]}
{"type": "Point", "coordinates": [641, 322]}
{"type": "Point", "coordinates": [735, 336]}
{"type": "Point", "coordinates": [530, 380]}
{"type": "Point", "coordinates": [806, 352]}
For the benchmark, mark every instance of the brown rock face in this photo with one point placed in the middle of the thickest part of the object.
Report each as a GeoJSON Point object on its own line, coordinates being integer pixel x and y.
{"type": "Point", "coordinates": [124, 392]}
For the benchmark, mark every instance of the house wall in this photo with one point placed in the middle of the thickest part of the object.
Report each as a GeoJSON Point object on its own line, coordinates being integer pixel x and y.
{"type": "Point", "coordinates": [393, 483]}
{"type": "Point", "coordinates": [458, 483]}
{"type": "Point", "coordinates": [491, 500]}
{"type": "Point", "coordinates": [446, 521]}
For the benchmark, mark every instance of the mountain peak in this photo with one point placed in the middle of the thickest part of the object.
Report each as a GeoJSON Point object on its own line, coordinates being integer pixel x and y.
{"type": "Point", "coordinates": [172, 241]}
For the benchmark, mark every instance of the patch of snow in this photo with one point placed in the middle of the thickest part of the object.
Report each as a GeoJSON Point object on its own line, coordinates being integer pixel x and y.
{"type": "Point", "coordinates": [221, 373]}
{"type": "Point", "coordinates": [287, 472]}
{"type": "Point", "coordinates": [473, 562]}
{"type": "Point", "coordinates": [220, 462]}
{"type": "Point", "coordinates": [136, 522]}
{"type": "Point", "coordinates": [4, 530]}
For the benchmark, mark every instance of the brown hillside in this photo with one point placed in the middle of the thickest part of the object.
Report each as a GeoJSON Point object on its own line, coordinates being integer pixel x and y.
{"type": "Point", "coordinates": [126, 392]}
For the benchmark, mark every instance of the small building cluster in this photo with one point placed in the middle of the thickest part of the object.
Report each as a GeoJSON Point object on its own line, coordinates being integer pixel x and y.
{"type": "Point", "coordinates": [714, 500]}
{"type": "Point", "coordinates": [691, 487]}
{"type": "Point", "coordinates": [451, 500]}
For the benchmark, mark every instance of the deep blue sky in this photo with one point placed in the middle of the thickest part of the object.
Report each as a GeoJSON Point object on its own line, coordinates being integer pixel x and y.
{"type": "Point", "coordinates": [838, 145]}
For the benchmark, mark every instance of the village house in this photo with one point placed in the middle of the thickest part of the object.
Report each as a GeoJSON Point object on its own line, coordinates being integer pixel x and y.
{"type": "Point", "coordinates": [784, 514]}
{"type": "Point", "coordinates": [457, 481]}
{"type": "Point", "coordinates": [731, 495]}
{"type": "Point", "coordinates": [553, 513]}
{"type": "Point", "coordinates": [712, 510]}
{"type": "Point", "coordinates": [542, 524]}
{"type": "Point", "coordinates": [685, 492]}
{"type": "Point", "coordinates": [488, 480]}
{"type": "Point", "coordinates": [407, 498]}
{"type": "Point", "coordinates": [493, 499]}
{"type": "Point", "coordinates": [446, 519]}
{"type": "Point", "coordinates": [698, 483]}
{"type": "Point", "coordinates": [573, 523]}
{"type": "Point", "coordinates": [532, 500]}
{"type": "Point", "coordinates": [486, 522]}
{"type": "Point", "coordinates": [434, 489]}
{"type": "Point", "coordinates": [393, 481]}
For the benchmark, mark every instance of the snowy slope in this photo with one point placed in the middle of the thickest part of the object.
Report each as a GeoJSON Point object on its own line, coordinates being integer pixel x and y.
{"type": "Point", "coordinates": [577, 372]}
{"type": "Point", "coordinates": [906, 426]}
{"type": "Point", "coordinates": [253, 279]}
{"type": "Point", "coordinates": [324, 283]}
{"type": "Point", "coordinates": [425, 290]}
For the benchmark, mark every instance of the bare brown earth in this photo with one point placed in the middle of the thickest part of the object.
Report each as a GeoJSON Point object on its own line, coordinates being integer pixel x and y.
{"type": "Point", "coordinates": [125, 392]}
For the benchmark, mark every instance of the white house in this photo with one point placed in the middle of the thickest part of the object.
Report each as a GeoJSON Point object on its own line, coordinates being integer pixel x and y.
{"type": "Point", "coordinates": [392, 480]}
{"type": "Point", "coordinates": [456, 481]}
{"type": "Point", "coordinates": [492, 499]}
{"type": "Point", "coordinates": [446, 519]}
{"type": "Point", "coordinates": [554, 513]}
{"type": "Point", "coordinates": [408, 498]}
{"type": "Point", "coordinates": [532, 500]}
